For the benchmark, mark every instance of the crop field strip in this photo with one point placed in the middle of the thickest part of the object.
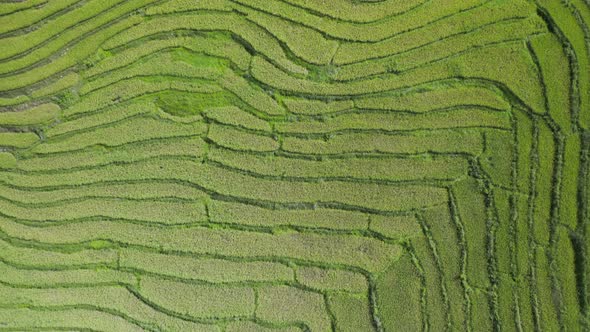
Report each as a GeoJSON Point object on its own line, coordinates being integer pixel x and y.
{"type": "Point", "coordinates": [294, 165]}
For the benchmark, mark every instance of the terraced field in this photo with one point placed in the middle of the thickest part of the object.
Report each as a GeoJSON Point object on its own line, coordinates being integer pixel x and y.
{"type": "Point", "coordinates": [294, 165]}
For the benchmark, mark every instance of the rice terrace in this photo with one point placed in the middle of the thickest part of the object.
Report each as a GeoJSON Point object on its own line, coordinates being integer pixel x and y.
{"type": "Point", "coordinates": [294, 165]}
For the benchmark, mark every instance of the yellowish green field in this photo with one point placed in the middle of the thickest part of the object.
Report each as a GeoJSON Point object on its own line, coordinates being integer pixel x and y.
{"type": "Point", "coordinates": [294, 165]}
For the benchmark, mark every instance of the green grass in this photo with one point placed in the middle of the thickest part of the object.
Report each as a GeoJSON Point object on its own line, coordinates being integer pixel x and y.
{"type": "Point", "coordinates": [401, 296]}
{"type": "Point", "coordinates": [332, 280]}
{"type": "Point", "coordinates": [305, 307]}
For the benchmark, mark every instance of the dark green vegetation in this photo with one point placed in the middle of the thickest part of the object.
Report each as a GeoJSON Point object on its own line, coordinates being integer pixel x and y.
{"type": "Point", "coordinates": [294, 165]}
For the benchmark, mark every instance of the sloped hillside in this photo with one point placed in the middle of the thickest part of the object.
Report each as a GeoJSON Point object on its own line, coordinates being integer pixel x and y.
{"type": "Point", "coordinates": [294, 165]}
